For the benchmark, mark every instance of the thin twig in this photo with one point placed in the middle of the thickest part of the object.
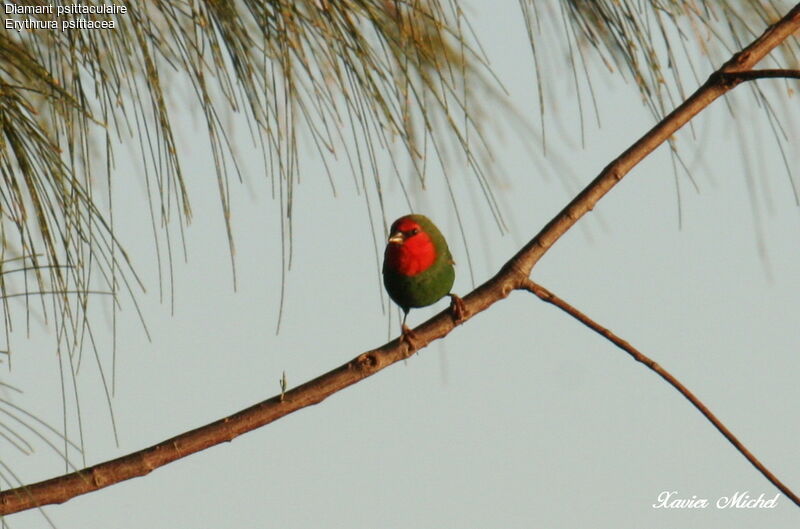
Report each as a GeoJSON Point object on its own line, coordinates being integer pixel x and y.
{"type": "Point", "coordinates": [549, 297]}
{"type": "Point", "coordinates": [511, 276]}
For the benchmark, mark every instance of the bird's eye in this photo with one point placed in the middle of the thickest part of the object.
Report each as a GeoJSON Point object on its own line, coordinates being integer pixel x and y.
{"type": "Point", "coordinates": [414, 232]}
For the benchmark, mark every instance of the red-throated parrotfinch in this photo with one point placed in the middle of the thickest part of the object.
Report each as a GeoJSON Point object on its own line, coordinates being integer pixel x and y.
{"type": "Point", "coordinates": [418, 267]}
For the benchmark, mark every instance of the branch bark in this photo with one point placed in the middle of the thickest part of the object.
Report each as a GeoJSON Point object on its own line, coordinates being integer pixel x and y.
{"type": "Point", "coordinates": [513, 275]}
{"type": "Point", "coordinates": [754, 75]}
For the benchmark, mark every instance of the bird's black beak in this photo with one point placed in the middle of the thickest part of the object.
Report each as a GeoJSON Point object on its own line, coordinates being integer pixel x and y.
{"type": "Point", "coordinates": [396, 237]}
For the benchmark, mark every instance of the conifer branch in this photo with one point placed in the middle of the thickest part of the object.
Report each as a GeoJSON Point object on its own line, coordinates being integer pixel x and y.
{"type": "Point", "coordinates": [513, 275]}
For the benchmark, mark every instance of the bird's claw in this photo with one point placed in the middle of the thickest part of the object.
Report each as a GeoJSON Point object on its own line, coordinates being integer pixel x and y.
{"type": "Point", "coordinates": [458, 309]}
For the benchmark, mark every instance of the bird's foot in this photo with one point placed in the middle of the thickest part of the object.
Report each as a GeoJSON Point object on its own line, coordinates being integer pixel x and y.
{"type": "Point", "coordinates": [409, 336]}
{"type": "Point", "coordinates": [458, 309]}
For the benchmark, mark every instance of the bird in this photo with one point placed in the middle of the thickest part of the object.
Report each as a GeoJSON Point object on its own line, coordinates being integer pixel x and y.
{"type": "Point", "coordinates": [418, 269]}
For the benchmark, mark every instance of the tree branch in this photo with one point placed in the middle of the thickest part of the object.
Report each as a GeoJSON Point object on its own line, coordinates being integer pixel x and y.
{"type": "Point", "coordinates": [754, 75]}
{"type": "Point", "coordinates": [548, 297]}
{"type": "Point", "coordinates": [720, 82]}
{"type": "Point", "coordinates": [512, 275]}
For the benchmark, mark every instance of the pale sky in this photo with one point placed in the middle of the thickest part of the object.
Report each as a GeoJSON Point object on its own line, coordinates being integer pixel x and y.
{"type": "Point", "coordinates": [521, 417]}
